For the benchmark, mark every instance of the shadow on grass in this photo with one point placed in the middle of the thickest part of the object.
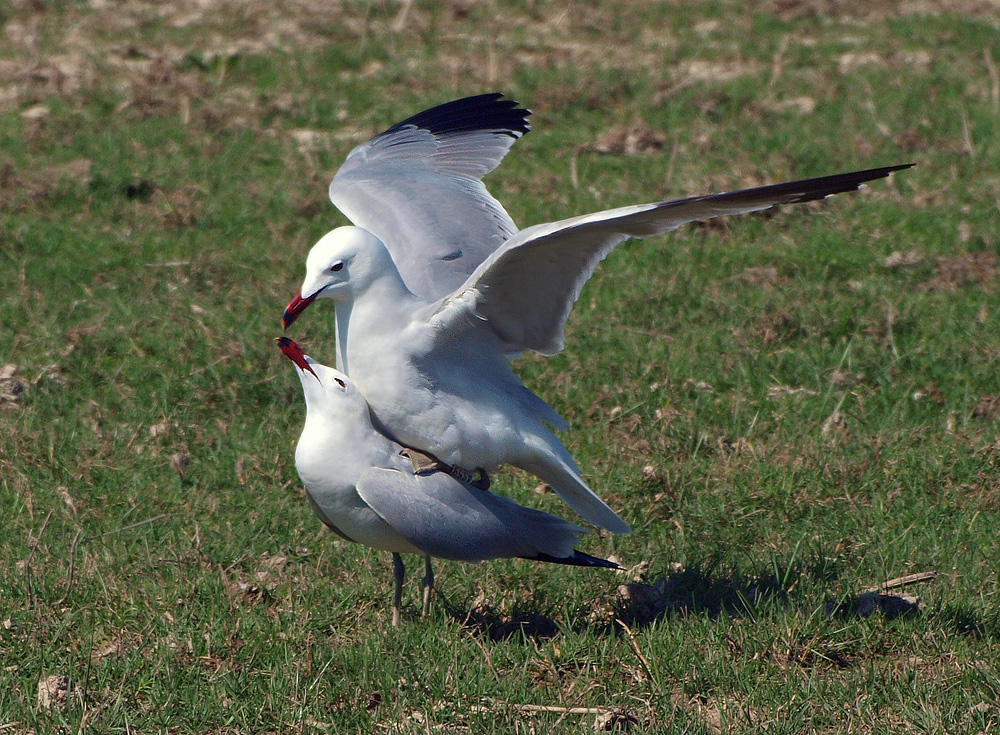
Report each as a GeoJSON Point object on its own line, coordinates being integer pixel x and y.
{"type": "Point", "coordinates": [697, 591]}
{"type": "Point", "coordinates": [482, 619]}
{"type": "Point", "coordinates": [636, 604]}
{"type": "Point", "coordinates": [966, 622]}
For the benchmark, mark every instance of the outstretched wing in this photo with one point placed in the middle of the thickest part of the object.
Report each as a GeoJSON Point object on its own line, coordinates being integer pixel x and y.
{"type": "Point", "coordinates": [444, 518]}
{"type": "Point", "coordinates": [525, 290]}
{"type": "Point", "coordinates": [417, 187]}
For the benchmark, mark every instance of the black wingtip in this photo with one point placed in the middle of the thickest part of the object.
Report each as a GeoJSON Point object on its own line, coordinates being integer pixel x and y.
{"type": "Point", "coordinates": [808, 190]}
{"type": "Point", "coordinates": [579, 559]}
{"type": "Point", "coordinates": [481, 112]}
{"type": "Point", "coordinates": [820, 188]}
{"type": "Point", "coordinates": [795, 192]}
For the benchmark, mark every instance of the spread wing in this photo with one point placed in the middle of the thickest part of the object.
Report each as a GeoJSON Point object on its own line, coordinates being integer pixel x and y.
{"type": "Point", "coordinates": [525, 290]}
{"type": "Point", "coordinates": [444, 518]}
{"type": "Point", "coordinates": [417, 187]}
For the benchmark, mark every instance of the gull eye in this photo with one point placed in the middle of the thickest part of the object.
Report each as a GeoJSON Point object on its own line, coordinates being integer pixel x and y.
{"type": "Point", "coordinates": [338, 266]}
{"type": "Point", "coordinates": [340, 382]}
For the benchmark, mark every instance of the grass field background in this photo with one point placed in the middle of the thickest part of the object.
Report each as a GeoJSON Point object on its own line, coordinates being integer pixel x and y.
{"type": "Point", "coordinates": [789, 409]}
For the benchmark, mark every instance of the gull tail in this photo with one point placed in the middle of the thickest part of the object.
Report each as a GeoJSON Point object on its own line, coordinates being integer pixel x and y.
{"type": "Point", "coordinates": [578, 559]}
{"type": "Point", "coordinates": [552, 464]}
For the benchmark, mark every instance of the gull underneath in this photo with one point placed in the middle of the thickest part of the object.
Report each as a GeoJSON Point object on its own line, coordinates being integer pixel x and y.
{"type": "Point", "coordinates": [365, 491]}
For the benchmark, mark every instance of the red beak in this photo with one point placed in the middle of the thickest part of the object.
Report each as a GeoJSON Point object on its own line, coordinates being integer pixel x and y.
{"type": "Point", "coordinates": [295, 307]}
{"type": "Point", "coordinates": [294, 353]}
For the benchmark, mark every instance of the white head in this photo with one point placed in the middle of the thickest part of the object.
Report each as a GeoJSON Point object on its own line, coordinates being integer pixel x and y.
{"type": "Point", "coordinates": [343, 264]}
{"type": "Point", "coordinates": [327, 390]}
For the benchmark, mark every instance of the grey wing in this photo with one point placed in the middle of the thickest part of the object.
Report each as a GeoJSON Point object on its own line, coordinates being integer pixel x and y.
{"type": "Point", "coordinates": [417, 187]}
{"type": "Point", "coordinates": [446, 519]}
{"type": "Point", "coordinates": [525, 290]}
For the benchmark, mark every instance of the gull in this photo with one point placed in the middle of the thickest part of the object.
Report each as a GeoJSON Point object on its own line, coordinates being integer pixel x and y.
{"type": "Point", "coordinates": [436, 373]}
{"type": "Point", "coordinates": [363, 488]}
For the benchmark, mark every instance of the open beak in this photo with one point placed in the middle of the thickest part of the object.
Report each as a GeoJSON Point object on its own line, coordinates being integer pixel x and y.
{"type": "Point", "coordinates": [294, 353]}
{"type": "Point", "coordinates": [295, 307]}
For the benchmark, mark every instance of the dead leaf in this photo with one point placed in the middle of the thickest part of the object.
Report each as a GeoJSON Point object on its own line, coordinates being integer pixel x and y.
{"type": "Point", "coordinates": [930, 391]}
{"type": "Point", "coordinates": [78, 171]}
{"type": "Point", "coordinates": [638, 139]}
{"type": "Point", "coordinates": [980, 268]}
{"type": "Point", "coordinates": [12, 388]}
{"type": "Point", "coordinates": [35, 113]}
{"type": "Point", "coordinates": [835, 425]}
{"type": "Point", "coordinates": [843, 378]}
{"type": "Point", "coordinates": [112, 648]}
{"type": "Point", "coordinates": [53, 691]}
{"type": "Point", "coordinates": [988, 407]}
{"type": "Point", "coordinates": [274, 563]}
{"type": "Point", "coordinates": [716, 71]}
{"type": "Point", "coordinates": [849, 62]}
{"type": "Point", "coordinates": [964, 231]}
{"type": "Point", "coordinates": [616, 720]}
{"type": "Point", "coordinates": [63, 493]}
{"type": "Point", "coordinates": [761, 276]}
{"type": "Point", "coordinates": [179, 463]}
{"type": "Point", "coordinates": [911, 140]}
{"type": "Point", "coordinates": [802, 105]}
{"type": "Point", "coordinates": [897, 258]}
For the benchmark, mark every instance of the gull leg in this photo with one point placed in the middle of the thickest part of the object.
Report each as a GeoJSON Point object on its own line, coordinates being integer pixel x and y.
{"type": "Point", "coordinates": [422, 463]}
{"type": "Point", "coordinates": [428, 585]}
{"type": "Point", "coordinates": [478, 479]}
{"type": "Point", "coordinates": [398, 571]}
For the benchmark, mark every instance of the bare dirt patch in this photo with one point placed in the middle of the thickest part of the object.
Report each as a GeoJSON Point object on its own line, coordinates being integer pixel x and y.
{"type": "Point", "coordinates": [960, 270]}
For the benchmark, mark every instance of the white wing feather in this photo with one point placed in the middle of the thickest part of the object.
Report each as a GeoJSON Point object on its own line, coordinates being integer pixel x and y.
{"type": "Point", "coordinates": [417, 188]}
{"type": "Point", "coordinates": [446, 519]}
{"type": "Point", "coordinates": [525, 290]}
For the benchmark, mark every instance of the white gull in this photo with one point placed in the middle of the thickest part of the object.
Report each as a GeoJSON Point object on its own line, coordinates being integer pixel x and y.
{"type": "Point", "coordinates": [365, 490]}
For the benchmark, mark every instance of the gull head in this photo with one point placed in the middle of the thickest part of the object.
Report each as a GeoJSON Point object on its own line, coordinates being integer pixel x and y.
{"type": "Point", "coordinates": [341, 265]}
{"type": "Point", "coordinates": [323, 386]}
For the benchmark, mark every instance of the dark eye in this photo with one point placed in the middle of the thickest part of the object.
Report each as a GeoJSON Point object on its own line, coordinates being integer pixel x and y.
{"type": "Point", "coordinates": [340, 382]}
{"type": "Point", "coordinates": [338, 266]}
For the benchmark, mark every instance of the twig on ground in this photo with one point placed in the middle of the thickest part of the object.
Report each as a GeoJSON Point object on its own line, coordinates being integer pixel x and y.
{"type": "Point", "coordinates": [554, 708]}
{"type": "Point", "coordinates": [27, 562]}
{"type": "Point", "coordinates": [991, 69]}
{"type": "Point", "coordinates": [967, 136]}
{"type": "Point", "coordinates": [638, 652]}
{"type": "Point", "coordinates": [127, 528]}
{"type": "Point", "coordinates": [486, 653]}
{"type": "Point", "coordinates": [72, 568]}
{"type": "Point", "coordinates": [900, 582]}
{"type": "Point", "coordinates": [399, 23]}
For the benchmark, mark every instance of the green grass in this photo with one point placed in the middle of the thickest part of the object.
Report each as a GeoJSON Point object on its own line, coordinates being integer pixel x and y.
{"type": "Point", "coordinates": [783, 418]}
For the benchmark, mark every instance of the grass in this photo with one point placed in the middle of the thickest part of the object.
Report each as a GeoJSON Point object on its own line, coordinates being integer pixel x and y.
{"type": "Point", "coordinates": [784, 413]}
